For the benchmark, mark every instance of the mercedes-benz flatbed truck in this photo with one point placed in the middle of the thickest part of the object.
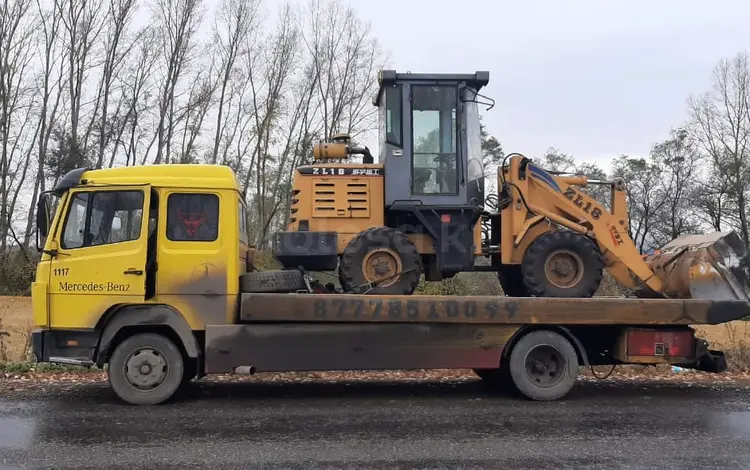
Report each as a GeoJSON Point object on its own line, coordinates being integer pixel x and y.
{"type": "Point", "coordinates": [148, 270]}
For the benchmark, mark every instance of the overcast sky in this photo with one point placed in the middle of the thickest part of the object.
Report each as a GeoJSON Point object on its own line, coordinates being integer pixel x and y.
{"type": "Point", "coordinates": [592, 78]}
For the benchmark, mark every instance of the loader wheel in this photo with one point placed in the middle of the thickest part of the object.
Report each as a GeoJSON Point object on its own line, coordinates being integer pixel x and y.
{"type": "Point", "coordinates": [562, 264]}
{"type": "Point", "coordinates": [285, 280]}
{"type": "Point", "coordinates": [380, 254]}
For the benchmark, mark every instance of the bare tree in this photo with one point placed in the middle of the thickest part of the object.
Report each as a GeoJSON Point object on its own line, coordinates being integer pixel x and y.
{"type": "Point", "coordinates": [17, 46]}
{"type": "Point", "coordinates": [236, 20]}
{"type": "Point", "coordinates": [643, 179]}
{"type": "Point", "coordinates": [194, 112]}
{"type": "Point", "coordinates": [678, 161]}
{"type": "Point", "coordinates": [51, 91]}
{"type": "Point", "coordinates": [119, 15]}
{"type": "Point", "coordinates": [345, 59]}
{"type": "Point", "coordinates": [178, 22]}
{"type": "Point", "coordinates": [720, 123]}
{"type": "Point", "coordinates": [268, 85]}
{"type": "Point", "coordinates": [137, 89]}
{"type": "Point", "coordinates": [82, 24]}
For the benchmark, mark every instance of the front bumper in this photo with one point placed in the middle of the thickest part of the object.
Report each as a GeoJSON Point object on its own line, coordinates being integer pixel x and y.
{"type": "Point", "coordinates": [72, 347]}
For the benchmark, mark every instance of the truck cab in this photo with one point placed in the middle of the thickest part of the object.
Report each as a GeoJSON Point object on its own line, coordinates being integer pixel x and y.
{"type": "Point", "coordinates": [159, 244]}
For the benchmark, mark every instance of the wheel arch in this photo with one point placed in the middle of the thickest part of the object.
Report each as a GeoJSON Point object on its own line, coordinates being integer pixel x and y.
{"type": "Point", "coordinates": [562, 330]}
{"type": "Point", "coordinates": [123, 321]}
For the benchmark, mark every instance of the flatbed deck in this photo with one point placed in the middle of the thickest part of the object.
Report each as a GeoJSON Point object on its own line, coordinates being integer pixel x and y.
{"type": "Point", "coordinates": [337, 308]}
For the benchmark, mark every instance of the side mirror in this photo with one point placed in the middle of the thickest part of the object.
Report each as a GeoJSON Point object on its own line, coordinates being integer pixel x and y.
{"type": "Point", "coordinates": [42, 220]}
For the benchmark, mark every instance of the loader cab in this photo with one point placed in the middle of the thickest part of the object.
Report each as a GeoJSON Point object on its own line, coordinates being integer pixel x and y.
{"type": "Point", "coordinates": [429, 138]}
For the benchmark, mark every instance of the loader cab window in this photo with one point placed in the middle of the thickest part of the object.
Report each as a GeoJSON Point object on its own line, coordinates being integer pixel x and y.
{"type": "Point", "coordinates": [102, 217]}
{"type": "Point", "coordinates": [390, 113]}
{"type": "Point", "coordinates": [434, 165]}
{"type": "Point", "coordinates": [393, 127]}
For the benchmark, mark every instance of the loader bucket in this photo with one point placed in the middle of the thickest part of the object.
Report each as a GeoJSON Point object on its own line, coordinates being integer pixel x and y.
{"type": "Point", "coordinates": [711, 267]}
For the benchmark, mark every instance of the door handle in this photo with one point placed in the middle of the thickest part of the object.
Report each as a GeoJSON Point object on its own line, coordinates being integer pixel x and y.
{"type": "Point", "coordinates": [137, 272]}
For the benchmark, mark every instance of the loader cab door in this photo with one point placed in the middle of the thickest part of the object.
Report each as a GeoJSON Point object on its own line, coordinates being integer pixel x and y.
{"type": "Point", "coordinates": [101, 249]}
{"type": "Point", "coordinates": [434, 157]}
{"type": "Point", "coordinates": [425, 128]}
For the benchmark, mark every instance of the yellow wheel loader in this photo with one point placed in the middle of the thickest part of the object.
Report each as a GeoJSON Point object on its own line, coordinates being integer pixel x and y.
{"type": "Point", "coordinates": [422, 210]}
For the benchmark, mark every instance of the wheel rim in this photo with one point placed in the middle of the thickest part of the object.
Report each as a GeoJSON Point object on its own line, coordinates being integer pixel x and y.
{"type": "Point", "coordinates": [564, 268]}
{"type": "Point", "coordinates": [381, 263]}
{"type": "Point", "coordinates": [146, 369]}
{"type": "Point", "coordinates": [545, 366]}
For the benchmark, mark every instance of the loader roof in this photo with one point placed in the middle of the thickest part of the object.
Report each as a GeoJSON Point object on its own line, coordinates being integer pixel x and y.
{"type": "Point", "coordinates": [476, 80]}
{"type": "Point", "coordinates": [169, 175]}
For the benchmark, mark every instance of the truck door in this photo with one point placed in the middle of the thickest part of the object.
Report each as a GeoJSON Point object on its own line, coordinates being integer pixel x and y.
{"type": "Point", "coordinates": [101, 259]}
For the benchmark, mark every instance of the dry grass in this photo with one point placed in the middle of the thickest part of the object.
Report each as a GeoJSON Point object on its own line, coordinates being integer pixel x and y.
{"type": "Point", "coordinates": [15, 328]}
{"type": "Point", "coordinates": [733, 338]}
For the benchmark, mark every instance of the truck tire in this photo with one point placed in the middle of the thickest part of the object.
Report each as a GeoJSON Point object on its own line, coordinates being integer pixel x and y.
{"type": "Point", "coordinates": [286, 280]}
{"type": "Point", "coordinates": [562, 263]}
{"type": "Point", "coordinates": [543, 365]}
{"type": "Point", "coordinates": [146, 369]}
{"type": "Point", "coordinates": [381, 253]}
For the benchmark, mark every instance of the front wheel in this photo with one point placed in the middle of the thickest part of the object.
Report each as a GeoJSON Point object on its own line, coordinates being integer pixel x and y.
{"type": "Point", "coordinates": [562, 263]}
{"type": "Point", "coordinates": [146, 369]}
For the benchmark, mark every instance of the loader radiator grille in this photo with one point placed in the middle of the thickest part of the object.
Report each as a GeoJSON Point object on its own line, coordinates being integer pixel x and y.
{"type": "Point", "coordinates": [345, 199]}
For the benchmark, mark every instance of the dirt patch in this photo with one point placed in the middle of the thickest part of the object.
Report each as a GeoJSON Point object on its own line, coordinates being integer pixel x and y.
{"type": "Point", "coordinates": [16, 322]}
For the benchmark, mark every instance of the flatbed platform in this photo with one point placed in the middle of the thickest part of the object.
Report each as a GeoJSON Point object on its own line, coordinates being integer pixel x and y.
{"type": "Point", "coordinates": [302, 308]}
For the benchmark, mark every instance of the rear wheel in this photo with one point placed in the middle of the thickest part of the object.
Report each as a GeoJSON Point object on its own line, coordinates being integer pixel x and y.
{"type": "Point", "coordinates": [543, 365]}
{"type": "Point", "coordinates": [562, 263]}
{"type": "Point", "coordinates": [146, 369]}
{"type": "Point", "coordinates": [384, 256]}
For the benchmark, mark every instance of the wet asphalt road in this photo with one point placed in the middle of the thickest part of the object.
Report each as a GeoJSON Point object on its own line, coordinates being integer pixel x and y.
{"type": "Point", "coordinates": [459, 425]}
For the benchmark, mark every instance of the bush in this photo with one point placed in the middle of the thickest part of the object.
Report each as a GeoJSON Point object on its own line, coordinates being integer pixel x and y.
{"type": "Point", "coordinates": [17, 272]}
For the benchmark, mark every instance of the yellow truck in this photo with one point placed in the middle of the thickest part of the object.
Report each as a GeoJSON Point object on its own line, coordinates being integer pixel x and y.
{"type": "Point", "coordinates": [148, 270]}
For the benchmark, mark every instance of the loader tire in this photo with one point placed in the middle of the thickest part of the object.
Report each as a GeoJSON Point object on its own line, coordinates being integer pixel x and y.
{"type": "Point", "coordinates": [562, 263]}
{"type": "Point", "coordinates": [380, 253]}
{"type": "Point", "coordinates": [272, 281]}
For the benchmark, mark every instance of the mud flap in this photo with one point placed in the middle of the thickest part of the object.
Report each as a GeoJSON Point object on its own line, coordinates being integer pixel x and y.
{"type": "Point", "coordinates": [708, 360]}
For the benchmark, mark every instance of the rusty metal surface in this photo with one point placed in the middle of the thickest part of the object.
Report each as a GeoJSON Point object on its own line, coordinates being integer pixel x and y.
{"type": "Point", "coordinates": [486, 310]}
{"type": "Point", "coordinates": [301, 347]}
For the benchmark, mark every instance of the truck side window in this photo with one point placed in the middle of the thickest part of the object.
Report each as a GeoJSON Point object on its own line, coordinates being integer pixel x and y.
{"type": "Point", "coordinates": [192, 217]}
{"type": "Point", "coordinates": [103, 217]}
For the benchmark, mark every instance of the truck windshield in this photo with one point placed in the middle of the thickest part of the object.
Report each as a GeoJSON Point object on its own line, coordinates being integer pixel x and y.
{"type": "Point", "coordinates": [434, 169]}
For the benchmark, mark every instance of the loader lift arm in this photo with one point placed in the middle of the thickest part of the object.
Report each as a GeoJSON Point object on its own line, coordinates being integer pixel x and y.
{"type": "Point", "coordinates": [536, 196]}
